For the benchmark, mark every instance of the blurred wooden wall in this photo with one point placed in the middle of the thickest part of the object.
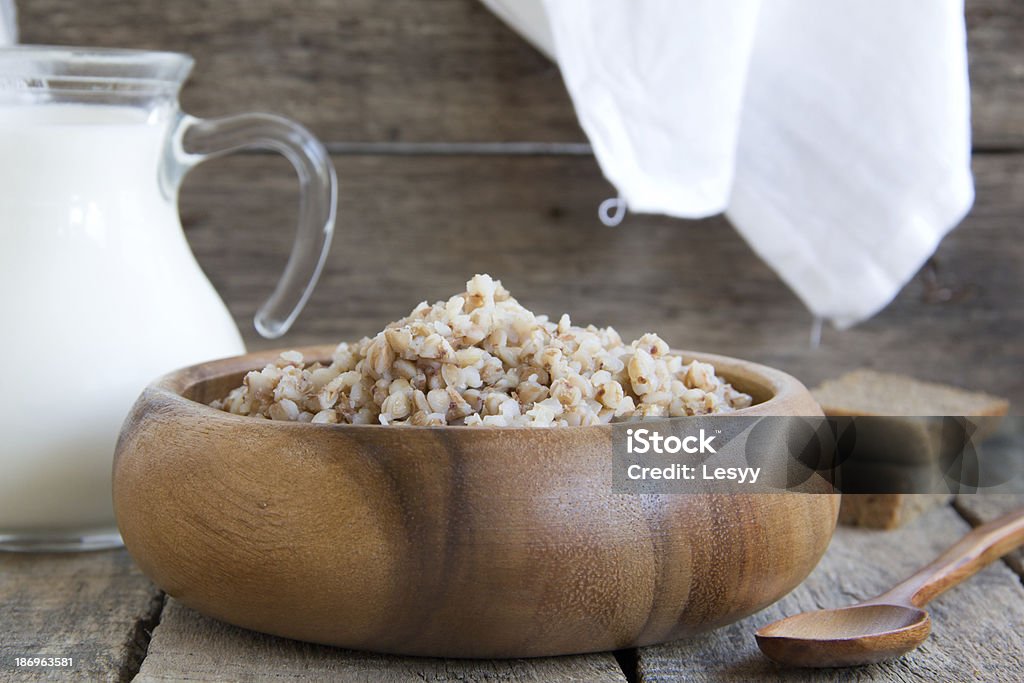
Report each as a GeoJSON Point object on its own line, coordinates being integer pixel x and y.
{"type": "Point", "coordinates": [458, 152]}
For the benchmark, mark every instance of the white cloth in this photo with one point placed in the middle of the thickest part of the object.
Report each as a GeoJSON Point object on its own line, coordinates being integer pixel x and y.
{"type": "Point", "coordinates": [834, 133]}
{"type": "Point", "coordinates": [8, 23]}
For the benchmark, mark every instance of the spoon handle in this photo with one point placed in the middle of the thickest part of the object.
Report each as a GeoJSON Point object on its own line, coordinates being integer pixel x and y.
{"type": "Point", "coordinates": [974, 551]}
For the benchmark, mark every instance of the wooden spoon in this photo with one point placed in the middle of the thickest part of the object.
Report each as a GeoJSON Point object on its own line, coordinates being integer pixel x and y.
{"type": "Point", "coordinates": [893, 623]}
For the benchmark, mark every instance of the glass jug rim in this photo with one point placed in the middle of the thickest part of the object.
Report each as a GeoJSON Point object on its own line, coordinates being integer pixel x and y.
{"type": "Point", "coordinates": [70, 68]}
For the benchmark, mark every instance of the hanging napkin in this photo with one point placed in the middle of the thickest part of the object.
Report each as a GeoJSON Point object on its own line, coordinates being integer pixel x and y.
{"type": "Point", "coordinates": [834, 134]}
{"type": "Point", "coordinates": [8, 23]}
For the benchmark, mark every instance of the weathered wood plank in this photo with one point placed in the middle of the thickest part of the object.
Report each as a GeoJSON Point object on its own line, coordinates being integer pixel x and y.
{"type": "Point", "coordinates": [96, 608]}
{"type": "Point", "coordinates": [973, 637]}
{"type": "Point", "coordinates": [996, 57]}
{"type": "Point", "coordinates": [187, 646]}
{"type": "Point", "coordinates": [361, 70]}
{"type": "Point", "coordinates": [445, 70]}
{"type": "Point", "coordinates": [416, 228]}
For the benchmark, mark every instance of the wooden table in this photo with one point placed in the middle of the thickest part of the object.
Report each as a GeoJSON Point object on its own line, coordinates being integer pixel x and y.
{"type": "Point", "coordinates": [98, 609]}
{"type": "Point", "coordinates": [458, 152]}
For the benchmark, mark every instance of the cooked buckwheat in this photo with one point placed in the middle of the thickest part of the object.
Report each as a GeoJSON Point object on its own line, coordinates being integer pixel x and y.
{"type": "Point", "coordinates": [481, 359]}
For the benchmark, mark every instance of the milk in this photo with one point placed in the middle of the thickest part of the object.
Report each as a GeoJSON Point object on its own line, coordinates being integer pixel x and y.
{"type": "Point", "coordinates": [99, 295]}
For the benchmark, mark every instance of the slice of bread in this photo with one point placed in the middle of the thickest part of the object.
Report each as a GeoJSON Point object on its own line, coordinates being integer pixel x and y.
{"type": "Point", "coordinates": [909, 435]}
{"type": "Point", "coordinates": [867, 392]}
{"type": "Point", "coordinates": [887, 510]}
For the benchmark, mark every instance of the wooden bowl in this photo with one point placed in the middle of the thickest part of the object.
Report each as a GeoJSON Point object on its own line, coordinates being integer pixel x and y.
{"type": "Point", "coordinates": [447, 541]}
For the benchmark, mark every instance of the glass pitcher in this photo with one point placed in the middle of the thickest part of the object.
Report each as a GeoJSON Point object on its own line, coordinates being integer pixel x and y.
{"type": "Point", "coordinates": [99, 292]}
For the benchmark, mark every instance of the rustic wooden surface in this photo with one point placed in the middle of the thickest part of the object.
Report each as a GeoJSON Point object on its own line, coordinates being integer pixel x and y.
{"type": "Point", "coordinates": [413, 228]}
{"type": "Point", "coordinates": [971, 638]}
{"type": "Point", "coordinates": [994, 29]}
{"type": "Point", "coordinates": [438, 71]}
{"type": "Point", "coordinates": [352, 70]}
{"type": "Point", "coordinates": [189, 646]}
{"type": "Point", "coordinates": [96, 608]}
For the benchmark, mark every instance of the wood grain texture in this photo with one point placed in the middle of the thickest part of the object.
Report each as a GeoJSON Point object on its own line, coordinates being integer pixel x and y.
{"type": "Point", "coordinates": [358, 70]}
{"type": "Point", "coordinates": [970, 640]}
{"type": "Point", "coordinates": [980, 508]}
{"type": "Point", "coordinates": [94, 607]}
{"type": "Point", "coordinates": [417, 228]}
{"type": "Point", "coordinates": [996, 58]}
{"type": "Point", "coordinates": [439, 71]}
{"type": "Point", "coordinates": [446, 541]}
{"type": "Point", "coordinates": [187, 646]}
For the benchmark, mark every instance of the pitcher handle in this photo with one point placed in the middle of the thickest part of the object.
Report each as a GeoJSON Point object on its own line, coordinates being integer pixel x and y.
{"type": "Point", "coordinates": [196, 140]}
